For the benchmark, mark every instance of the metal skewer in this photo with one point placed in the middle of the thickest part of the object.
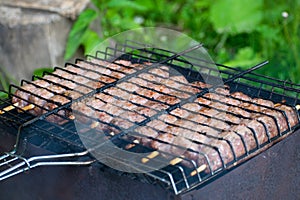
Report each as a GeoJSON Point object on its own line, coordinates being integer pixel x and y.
{"type": "Point", "coordinates": [9, 108]}
{"type": "Point", "coordinates": [198, 170]}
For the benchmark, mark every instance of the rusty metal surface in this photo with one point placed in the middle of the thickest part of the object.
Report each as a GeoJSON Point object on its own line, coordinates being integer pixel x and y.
{"type": "Point", "coordinates": [64, 183]}
{"type": "Point", "coordinates": [274, 174]}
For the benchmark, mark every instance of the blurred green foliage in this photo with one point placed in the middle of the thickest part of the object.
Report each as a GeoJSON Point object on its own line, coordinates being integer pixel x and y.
{"type": "Point", "coordinates": [6, 79]}
{"type": "Point", "coordinates": [236, 33]}
{"type": "Point", "coordinates": [39, 72]}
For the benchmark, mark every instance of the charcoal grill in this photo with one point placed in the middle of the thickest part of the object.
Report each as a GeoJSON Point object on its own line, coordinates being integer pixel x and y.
{"type": "Point", "coordinates": [64, 141]}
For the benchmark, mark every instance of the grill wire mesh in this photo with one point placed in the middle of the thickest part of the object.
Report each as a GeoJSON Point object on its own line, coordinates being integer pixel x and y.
{"type": "Point", "coordinates": [180, 178]}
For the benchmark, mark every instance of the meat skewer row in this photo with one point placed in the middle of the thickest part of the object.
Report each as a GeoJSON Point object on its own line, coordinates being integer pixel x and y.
{"type": "Point", "coordinates": [160, 89]}
{"type": "Point", "coordinates": [143, 92]}
{"type": "Point", "coordinates": [268, 107]}
{"type": "Point", "coordinates": [45, 81]}
{"type": "Point", "coordinates": [114, 105]}
{"type": "Point", "coordinates": [254, 130]}
{"type": "Point", "coordinates": [202, 115]}
{"type": "Point", "coordinates": [24, 91]}
{"type": "Point", "coordinates": [237, 108]}
{"type": "Point", "coordinates": [146, 95]}
{"type": "Point", "coordinates": [167, 142]}
{"type": "Point", "coordinates": [61, 100]}
{"type": "Point", "coordinates": [116, 66]}
{"type": "Point", "coordinates": [223, 148]}
{"type": "Point", "coordinates": [114, 91]}
{"type": "Point", "coordinates": [101, 70]}
{"type": "Point", "coordinates": [153, 131]}
{"type": "Point", "coordinates": [239, 128]}
{"type": "Point", "coordinates": [41, 83]}
{"type": "Point", "coordinates": [215, 164]}
{"type": "Point", "coordinates": [122, 107]}
{"type": "Point", "coordinates": [76, 70]}
{"type": "Point", "coordinates": [63, 73]}
{"type": "Point", "coordinates": [207, 124]}
{"type": "Point", "coordinates": [117, 110]}
{"type": "Point", "coordinates": [277, 113]}
{"type": "Point", "coordinates": [53, 92]}
{"type": "Point", "coordinates": [120, 103]}
{"type": "Point", "coordinates": [44, 95]}
{"type": "Point", "coordinates": [45, 92]}
{"type": "Point", "coordinates": [235, 137]}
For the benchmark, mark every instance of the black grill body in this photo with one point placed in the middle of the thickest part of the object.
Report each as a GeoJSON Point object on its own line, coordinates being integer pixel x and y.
{"type": "Point", "coordinates": [54, 138]}
{"type": "Point", "coordinates": [273, 174]}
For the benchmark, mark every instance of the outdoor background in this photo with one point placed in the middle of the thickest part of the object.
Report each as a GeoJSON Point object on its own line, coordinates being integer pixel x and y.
{"type": "Point", "coordinates": [235, 33]}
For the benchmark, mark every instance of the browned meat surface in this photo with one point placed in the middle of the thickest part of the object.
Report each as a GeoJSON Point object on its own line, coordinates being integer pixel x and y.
{"type": "Point", "coordinates": [213, 129]}
{"type": "Point", "coordinates": [23, 95]}
{"type": "Point", "coordinates": [39, 98]}
{"type": "Point", "coordinates": [291, 114]}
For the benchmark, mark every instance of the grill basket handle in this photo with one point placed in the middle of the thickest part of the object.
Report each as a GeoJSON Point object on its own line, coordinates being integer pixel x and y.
{"type": "Point", "coordinates": [12, 164]}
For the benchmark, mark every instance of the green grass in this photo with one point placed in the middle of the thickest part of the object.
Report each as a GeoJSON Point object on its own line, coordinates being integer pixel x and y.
{"type": "Point", "coordinates": [236, 33]}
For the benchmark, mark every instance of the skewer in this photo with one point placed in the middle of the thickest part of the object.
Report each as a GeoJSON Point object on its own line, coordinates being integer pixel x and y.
{"type": "Point", "coordinates": [133, 144]}
{"type": "Point", "coordinates": [150, 156]}
{"type": "Point", "coordinates": [9, 108]}
{"type": "Point", "coordinates": [277, 104]}
{"type": "Point", "coordinates": [198, 170]}
{"type": "Point", "coordinates": [153, 154]}
{"type": "Point", "coordinates": [93, 125]}
{"type": "Point", "coordinates": [176, 160]}
{"type": "Point", "coordinates": [15, 105]}
{"type": "Point", "coordinates": [156, 153]}
{"type": "Point", "coordinates": [28, 107]}
{"type": "Point", "coordinates": [145, 160]}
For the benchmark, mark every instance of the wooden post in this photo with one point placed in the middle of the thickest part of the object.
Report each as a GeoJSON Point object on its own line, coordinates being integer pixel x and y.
{"type": "Point", "coordinates": [33, 34]}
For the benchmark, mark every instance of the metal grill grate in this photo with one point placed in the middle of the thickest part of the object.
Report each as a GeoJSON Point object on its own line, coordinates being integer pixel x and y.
{"type": "Point", "coordinates": [183, 173]}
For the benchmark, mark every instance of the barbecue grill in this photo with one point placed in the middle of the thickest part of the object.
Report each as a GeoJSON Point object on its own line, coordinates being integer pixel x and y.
{"type": "Point", "coordinates": [65, 139]}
